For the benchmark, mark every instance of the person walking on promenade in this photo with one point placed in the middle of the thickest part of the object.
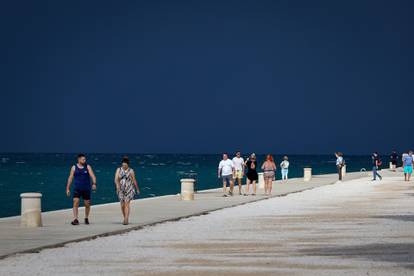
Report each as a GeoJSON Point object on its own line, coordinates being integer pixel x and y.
{"type": "Point", "coordinates": [408, 165]}
{"type": "Point", "coordinates": [269, 168]}
{"type": "Point", "coordinates": [251, 176]}
{"type": "Point", "coordinates": [394, 159]}
{"type": "Point", "coordinates": [339, 164]}
{"type": "Point", "coordinates": [81, 174]}
{"type": "Point", "coordinates": [125, 181]}
{"type": "Point", "coordinates": [238, 163]}
{"type": "Point", "coordinates": [285, 168]}
{"type": "Point", "coordinates": [225, 171]}
{"type": "Point", "coordinates": [376, 164]}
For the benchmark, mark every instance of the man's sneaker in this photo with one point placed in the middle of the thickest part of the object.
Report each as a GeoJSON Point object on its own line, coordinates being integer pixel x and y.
{"type": "Point", "coordinates": [86, 221]}
{"type": "Point", "coordinates": [224, 195]}
{"type": "Point", "coordinates": [75, 222]}
{"type": "Point", "coordinates": [231, 193]}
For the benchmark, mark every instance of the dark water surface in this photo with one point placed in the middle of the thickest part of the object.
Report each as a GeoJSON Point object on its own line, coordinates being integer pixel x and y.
{"type": "Point", "coordinates": [157, 174]}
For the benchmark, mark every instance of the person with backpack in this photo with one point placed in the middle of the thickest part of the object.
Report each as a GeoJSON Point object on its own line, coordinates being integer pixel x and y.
{"type": "Point", "coordinates": [339, 164]}
{"type": "Point", "coordinates": [376, 164]}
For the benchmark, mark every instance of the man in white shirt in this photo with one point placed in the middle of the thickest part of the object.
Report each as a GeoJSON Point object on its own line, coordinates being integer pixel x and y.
{"type": "Point", "coordinates": [238, 163]}
{"type": "Point", "coordinates": [225, 171]}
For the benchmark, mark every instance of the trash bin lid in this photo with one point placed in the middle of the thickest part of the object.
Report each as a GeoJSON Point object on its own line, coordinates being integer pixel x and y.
{"type": "Point", "coordinates": [31, 195]}
{"type": "Point", "coordinates": [187, 180]}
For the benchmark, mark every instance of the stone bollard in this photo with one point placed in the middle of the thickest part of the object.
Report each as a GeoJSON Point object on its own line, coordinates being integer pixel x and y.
{"type": "Point", "coordinates": [343, 170]}
{"type": "Point", "coordinates": [187, 189]}
{"type": "Point", "coordinates": [261, 181]}
{"type": "Point", "coordinates": [307, 174]}
{"type": "Point", "coordinates": [31, 214]}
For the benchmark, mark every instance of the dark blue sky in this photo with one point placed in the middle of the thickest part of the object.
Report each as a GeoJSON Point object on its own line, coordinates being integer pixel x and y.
{"type": "Point", "coordinates": [207, 76]}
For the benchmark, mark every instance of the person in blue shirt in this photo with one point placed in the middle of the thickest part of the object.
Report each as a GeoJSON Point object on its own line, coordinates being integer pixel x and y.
{"type": "Point", "coordinates": [408, 165]}
{"type": "Point", "coordinates": [81, 174]}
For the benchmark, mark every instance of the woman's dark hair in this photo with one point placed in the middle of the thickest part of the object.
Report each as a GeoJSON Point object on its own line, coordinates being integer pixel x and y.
{"type": "Point", "coordinates": [125, 160]}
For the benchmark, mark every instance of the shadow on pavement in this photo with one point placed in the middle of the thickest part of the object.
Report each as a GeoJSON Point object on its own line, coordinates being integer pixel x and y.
{"type": "Point", "coordinates": [399, 253]}
{"type": "Point", "coordinates": [396, 217]}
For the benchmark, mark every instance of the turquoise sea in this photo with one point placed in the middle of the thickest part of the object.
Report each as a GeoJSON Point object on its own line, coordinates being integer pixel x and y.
{"type": "Point", "coordinates": [157, 174]}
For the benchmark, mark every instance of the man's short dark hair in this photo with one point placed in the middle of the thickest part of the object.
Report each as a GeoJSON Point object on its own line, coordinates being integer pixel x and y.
{"type": "Point", "coordinates": [80, 155]}
{"type": "Point", "coordinates": [125, 160]}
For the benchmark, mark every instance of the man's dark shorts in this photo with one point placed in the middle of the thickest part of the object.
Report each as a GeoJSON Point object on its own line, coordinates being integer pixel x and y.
{"type": "Point", "coordinates": [85, 194]}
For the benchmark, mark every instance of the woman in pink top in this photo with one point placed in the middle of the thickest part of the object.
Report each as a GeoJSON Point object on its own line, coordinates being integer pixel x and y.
{"type": "Point", "coordinates": [269, 168]}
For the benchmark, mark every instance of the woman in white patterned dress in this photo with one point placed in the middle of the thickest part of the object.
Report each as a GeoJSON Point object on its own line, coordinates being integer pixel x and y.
{"type": "Point", "coordinates": [125, 181]}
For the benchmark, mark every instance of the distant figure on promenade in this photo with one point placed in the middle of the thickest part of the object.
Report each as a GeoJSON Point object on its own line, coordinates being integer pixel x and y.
{"type": "Point", "coordinates": [408, 165]}
{"type": "Point", "coordinates": [251, 176]}
{"type": "Point", "coordinates": [269, 168]}
{"type": "Point", "coordinates": [125, 181]}
{"type": "Point", "coordinates": [238, 163]}
{"type": "Point", "coordinates": [285, 168]}
{"type": "Point", "coordinates": [394, 158]}
{"type": "Point", "coordinates": [339, 164]}
{"type": "Point", "coordinates": [376, 164]}
{"type": "Point", "coordinates": [225, 171]}
{"type": "Point", "coordinates": [81, 174]}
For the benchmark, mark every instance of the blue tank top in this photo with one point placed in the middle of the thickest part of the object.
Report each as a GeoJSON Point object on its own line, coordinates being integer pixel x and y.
{"type": "Point", "coordinates": [82, 179]}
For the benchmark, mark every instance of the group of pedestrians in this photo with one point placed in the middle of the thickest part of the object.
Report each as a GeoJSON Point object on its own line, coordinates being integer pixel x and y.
{"type": "Point", "coordinates": [84, 182]}
{"type": "Point", "coordinates": [230, 171]}
{"type": "Point", "coordinates": [407, 164]}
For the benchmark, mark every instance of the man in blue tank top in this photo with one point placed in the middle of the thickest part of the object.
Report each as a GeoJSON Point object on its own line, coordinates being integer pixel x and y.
{"type": "Point", "coordinates": [81, 174]}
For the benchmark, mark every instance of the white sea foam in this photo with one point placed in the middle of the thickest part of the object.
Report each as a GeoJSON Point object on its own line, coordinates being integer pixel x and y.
{"type": "Point", "coordinates": [183, 163]}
